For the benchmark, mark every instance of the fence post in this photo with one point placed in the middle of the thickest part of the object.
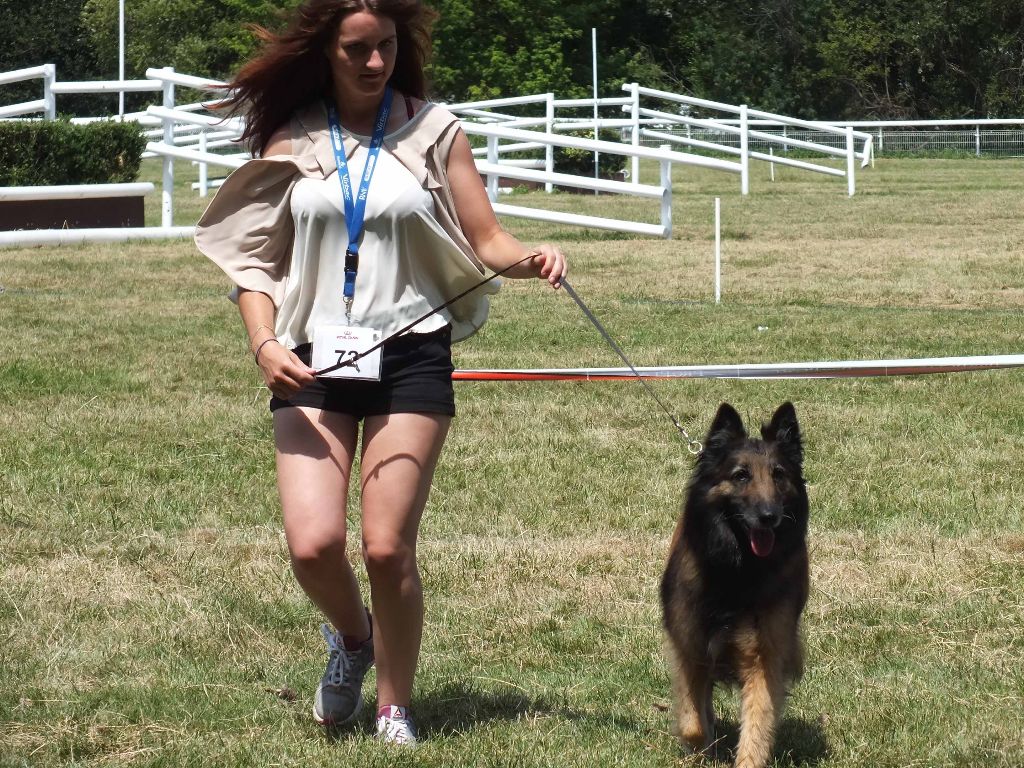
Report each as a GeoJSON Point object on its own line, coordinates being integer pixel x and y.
{"type": "Point", "coordinates": [167, 194]}
{"type": "Point", "coordinates": [549, 151]}
{"type": "Point", "coordinates": [744, 151]}
{"type": "Point", "coordinates": [492, 178]}
{"type": "Point", "coordinates": [202, 165]}
{"type": "Point", "coordinates": [666, 194]}
{"type": "Point", "coordinates": [634, 115]}
{"type": "Point", "coordinates": [880, 147]}
{"type": "Point", "coordinates": [851, 153]}
{"type": "Point", "coordinates": [977, 140]}
{"type": "Point", "coordinates": [49, 76]}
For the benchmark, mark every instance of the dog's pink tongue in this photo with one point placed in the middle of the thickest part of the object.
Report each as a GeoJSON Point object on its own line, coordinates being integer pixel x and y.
{"type": "Point", "coordinates": [762, 541]}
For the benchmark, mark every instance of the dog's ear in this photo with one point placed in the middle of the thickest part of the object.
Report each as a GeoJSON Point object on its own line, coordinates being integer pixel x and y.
{"type": "Point", "coordinates": [726, 428]}
{"type": "Point", "coordinates": [784, 431]}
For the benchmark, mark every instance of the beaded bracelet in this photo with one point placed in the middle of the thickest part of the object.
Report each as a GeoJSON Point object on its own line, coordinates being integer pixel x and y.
{"type": "Point", "coordinates": [259, 349]}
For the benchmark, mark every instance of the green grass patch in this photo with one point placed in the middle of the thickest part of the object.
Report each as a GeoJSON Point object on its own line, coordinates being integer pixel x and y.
{"type": "Point", "coordinates": [150, 617]}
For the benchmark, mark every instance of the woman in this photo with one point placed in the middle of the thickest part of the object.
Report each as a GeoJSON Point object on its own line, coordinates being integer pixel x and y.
{"type": "Point", "coordinates": [280, 228]}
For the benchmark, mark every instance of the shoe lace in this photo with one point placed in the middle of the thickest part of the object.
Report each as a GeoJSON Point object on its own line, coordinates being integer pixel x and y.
{"type": "Point", "coordinates": [339, 661]}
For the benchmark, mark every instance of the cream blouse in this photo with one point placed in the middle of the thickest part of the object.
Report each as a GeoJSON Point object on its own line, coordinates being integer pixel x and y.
{"type": "Point", "coordinates": [277, 225]}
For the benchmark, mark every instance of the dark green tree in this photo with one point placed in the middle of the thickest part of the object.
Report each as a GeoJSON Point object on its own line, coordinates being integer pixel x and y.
{"type": "Point", "coordinates": [500, 48]}
{"type": "Point", "coordinates": [37, 32]}
{"type": "Point", "coordinates": [823, 59]}
{"type": "Point", "coordinates": [835, 59]}
{"type": "Point", "coordinates": [207, 38]}
{"type": "Point", "coordinates": [520, 47]}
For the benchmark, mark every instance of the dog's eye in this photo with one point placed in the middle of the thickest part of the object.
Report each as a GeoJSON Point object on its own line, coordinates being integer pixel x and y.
{"type": "Point", "coordinates": [740, 475]}
{"type": "Point", "coordinates": [778, 474]}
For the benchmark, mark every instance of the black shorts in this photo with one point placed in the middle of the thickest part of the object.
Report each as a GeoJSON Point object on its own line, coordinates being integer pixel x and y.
{"type": "Point", "coordinates": [415, 377]}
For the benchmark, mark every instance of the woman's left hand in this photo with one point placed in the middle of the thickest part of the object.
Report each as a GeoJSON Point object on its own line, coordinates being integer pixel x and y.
{"type": "Point", "coordinates": [548, 263]}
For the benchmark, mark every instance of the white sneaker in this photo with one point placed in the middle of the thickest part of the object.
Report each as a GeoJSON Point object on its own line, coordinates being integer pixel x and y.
{"type": "Point", "coordinates": [395, 726]}
{"type": "Point", "coordinates": [339, 696]}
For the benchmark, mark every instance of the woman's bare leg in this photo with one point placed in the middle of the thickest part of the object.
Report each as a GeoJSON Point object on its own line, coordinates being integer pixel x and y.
{"type": "Point", "coordinates": [400, 452]}
{"type": "Point", "coordinates": [314, 463]}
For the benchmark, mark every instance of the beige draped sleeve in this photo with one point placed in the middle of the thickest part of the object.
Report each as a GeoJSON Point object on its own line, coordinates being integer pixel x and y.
{"type": "Point", "coordinates": [247, 229]}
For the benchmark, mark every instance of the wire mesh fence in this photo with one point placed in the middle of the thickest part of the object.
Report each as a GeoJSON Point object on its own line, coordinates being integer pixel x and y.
{"type": "Point", "coordinates": [989, 141]}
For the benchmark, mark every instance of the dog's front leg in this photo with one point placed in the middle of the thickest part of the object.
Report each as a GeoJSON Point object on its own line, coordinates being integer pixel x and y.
{"type": "Point", "coordinates": [694, 716]}
{"type": "Point", "coordinates": [763, 696]}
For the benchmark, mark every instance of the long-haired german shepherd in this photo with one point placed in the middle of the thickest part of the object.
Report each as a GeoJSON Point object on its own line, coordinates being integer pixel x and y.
{"type": "Point", "coordinates": [737, 580]}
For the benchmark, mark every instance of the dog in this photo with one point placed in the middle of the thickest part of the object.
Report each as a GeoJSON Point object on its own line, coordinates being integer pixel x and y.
{"type": "Point", "coordinates": [737, 580]}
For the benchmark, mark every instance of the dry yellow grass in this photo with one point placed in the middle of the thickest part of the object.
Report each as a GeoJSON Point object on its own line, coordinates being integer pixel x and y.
{"type": "Point", "coordinates": [148, 610]}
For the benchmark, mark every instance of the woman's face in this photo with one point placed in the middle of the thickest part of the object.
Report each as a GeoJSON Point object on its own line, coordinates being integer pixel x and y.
{"type": "Point", "coordinates": [362, 55]}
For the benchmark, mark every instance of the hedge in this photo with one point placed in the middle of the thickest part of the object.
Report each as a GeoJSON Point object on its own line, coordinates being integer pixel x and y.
{"type": "Point", "coordinates": [580, 162]}
{"type": "Point", "coordinates": [48, 152]}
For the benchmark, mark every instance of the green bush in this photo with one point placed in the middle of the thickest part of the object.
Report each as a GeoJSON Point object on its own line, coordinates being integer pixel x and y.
{"type": "Point", "coordinates": [37, 152]}
{"type": "Point", "coordinates": [580, 162]}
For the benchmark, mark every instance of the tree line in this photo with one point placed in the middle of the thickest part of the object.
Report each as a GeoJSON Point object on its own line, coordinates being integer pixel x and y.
{"type": "Point", "coordinates": [815, 59]}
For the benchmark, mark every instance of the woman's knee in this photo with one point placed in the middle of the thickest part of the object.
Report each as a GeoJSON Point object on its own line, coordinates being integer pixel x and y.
{"type": "Point", "coordinates": [388, 558]}
{"type": "Point", "coordinates": [316, 553]}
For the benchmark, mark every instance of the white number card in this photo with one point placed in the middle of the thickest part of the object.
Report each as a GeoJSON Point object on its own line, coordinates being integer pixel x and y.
{"type": "Point", "coordinates": [334, 344]}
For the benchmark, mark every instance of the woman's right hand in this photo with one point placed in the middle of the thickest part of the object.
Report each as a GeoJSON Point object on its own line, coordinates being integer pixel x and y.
{"type": "Point", "coordinates": [283, 372]}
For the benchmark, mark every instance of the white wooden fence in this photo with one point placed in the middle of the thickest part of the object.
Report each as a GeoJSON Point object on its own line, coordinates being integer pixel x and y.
{"type": "Point", "coordinates": [186, 132]}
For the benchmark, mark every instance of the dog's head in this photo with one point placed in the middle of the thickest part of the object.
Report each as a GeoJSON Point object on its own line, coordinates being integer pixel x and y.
{"type": "Point", "coordinates": [756, 484]}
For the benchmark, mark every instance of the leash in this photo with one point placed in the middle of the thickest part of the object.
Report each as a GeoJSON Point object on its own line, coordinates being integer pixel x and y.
{"type": "Point", "coordinates": [693, 446]}
{"type": "Point", "coordinates": [356, 358]}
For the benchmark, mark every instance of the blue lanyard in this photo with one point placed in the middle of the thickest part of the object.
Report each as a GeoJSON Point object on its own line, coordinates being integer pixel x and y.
{"type": "Point", "coordinates": [355, 207]}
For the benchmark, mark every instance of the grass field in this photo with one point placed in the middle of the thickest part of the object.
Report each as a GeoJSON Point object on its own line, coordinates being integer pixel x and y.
{"type": "Point", "coordinates": [149, 616]}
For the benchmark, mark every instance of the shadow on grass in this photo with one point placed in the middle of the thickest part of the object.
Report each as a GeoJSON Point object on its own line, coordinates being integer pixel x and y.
{"type": "Point", "coordinates": [459, 706]}
{"type": "Point", "coordinates": [454, 708]}
{"type": "Point", "coordinates": [799, 742]}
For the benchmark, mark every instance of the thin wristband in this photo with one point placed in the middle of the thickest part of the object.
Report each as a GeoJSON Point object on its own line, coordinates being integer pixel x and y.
{"type": "Point", "coordinates": [259, 349]}
{"type": "Point", "coordinates": [256, 333]}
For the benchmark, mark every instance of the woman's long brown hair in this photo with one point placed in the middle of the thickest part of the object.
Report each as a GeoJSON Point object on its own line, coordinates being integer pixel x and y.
{"type": "Point", "coordinates": [292, 69]}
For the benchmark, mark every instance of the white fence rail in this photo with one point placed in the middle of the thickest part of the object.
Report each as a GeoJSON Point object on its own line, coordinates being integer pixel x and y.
{"type": "Point", "coordinates": [521, 135]}
{"type": "Point", "coordinates": [76, 191]}
{"type": "Point", "coordinates": [23, 237]}
{"type": "Point", "coordinates": [76, 236]}
{"type": "Point", "coordinates": [47, 105]}
{"type": "Point", "coordinates": [739, 131]}
{"type": "Point", "coordinates": [186, 134]}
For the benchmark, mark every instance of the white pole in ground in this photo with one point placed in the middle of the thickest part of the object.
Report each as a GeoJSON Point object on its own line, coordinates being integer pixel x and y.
{"type": "Point", "coordinates": [851, 152]}
{"type": "Point", "coordinates": [771, 165]}
{"type": "Point", "coordinates": [744, 151]}
{"type": "Point", "coordinates": [492, 178]}
{"type": "Point", "coordinates": [49, 99]}
{"type": "Point", "coordinates": [203, 179]}
{"type": "Point", "coordinates": [549, 127]}
{"type": "Point", "coordinates": [666, 194]}
{"type": "Point", "coordinates": [718, 250]}
{"type": "Point", "coordinates": [120, 56]}
{"type": "Point", "coordinates": [167, 195]}
{"type": "Point", "coordinates": [634, 114]}
{"type": "Point", "coordinates": [593, 39]}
